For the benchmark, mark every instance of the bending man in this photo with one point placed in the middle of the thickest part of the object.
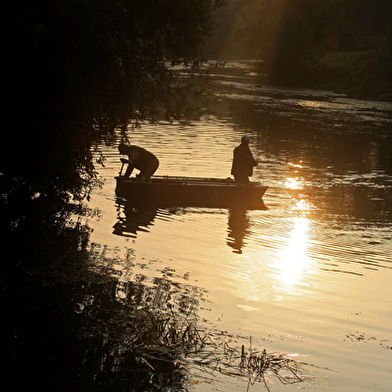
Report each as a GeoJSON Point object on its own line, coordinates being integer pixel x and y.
{"type": "Point", "coordinates": [243, 161]}
{"type": "Point", "coordinates": [140, 159]}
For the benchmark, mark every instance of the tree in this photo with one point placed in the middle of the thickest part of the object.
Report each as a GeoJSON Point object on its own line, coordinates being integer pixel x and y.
{"type": "Point", "coordinates": [77, 70]}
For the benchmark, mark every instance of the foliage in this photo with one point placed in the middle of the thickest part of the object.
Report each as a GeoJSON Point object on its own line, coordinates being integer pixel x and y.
{"type": "Point", "coordinates": [360, 74]}
{"type": "Point", "coordinates": [77, 70]}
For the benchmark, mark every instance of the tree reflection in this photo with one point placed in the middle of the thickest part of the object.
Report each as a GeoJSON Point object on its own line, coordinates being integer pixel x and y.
{"type": "Point", "coordinates": [79, 336]}
{"type": "Point", "coordinates": [66, 325]}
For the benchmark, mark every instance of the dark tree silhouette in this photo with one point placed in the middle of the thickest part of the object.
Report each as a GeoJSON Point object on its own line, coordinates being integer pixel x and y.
{"type": "Point", "coordinates": [77, 70]}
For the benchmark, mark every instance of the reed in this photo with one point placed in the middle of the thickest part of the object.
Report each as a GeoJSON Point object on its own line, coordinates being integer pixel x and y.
{"type": "Point", "coordinates": [161, 334]}
{"type": "Point", "coordinates": [254, 365]}
{"type": "Point", "coordinates": [160, 340]}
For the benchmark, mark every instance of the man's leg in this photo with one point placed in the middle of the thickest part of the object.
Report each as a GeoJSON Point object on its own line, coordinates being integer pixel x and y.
{"type": "Point", "coordinates": [147, 172]}
{"type": "Point", "coordinates": [242, 179]}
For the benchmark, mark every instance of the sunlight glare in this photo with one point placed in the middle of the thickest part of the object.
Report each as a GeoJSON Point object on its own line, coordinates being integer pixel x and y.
{"type": "Point", "coordinates": [294, 257]}
{"type": "Point", "coordinates": [296, 165]}
{"type": "Point", "coordinates": [293, 183]}
{"type": "Point", "coordinates": [302, 206]}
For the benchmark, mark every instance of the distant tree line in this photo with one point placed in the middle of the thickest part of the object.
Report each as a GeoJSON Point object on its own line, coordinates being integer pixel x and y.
{"type": "Point", "coordinates": [293, 37]}
{"type": "Point", "coordinates": [77, 70]}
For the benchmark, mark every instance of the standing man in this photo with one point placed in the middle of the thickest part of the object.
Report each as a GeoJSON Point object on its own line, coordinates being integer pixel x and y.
{"type": "Point", "coordinates": [140, 159]}
{"type": "Point", "coordinates": [243, 161]}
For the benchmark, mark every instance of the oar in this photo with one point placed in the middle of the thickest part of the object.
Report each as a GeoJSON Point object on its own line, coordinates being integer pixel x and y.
{"type": "Point", "coordinates": [124, 161]}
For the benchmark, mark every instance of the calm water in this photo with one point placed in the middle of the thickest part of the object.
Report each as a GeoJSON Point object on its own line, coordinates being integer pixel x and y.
{"type": "Point", "coordinates": [310, 276]}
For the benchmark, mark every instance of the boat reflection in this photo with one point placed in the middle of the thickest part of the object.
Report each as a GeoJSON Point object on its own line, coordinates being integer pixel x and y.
{"type": "Point", "coordinates": [134, 217]}
{"type": "Point", "coordinates": [238, 228]}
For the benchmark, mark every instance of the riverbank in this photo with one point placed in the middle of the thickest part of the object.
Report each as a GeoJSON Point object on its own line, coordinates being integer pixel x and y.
{"type": "Point", "coordinates": [358, 74]}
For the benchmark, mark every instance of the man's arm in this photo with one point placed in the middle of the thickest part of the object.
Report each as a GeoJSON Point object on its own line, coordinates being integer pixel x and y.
{"type": "Point", "coordinates": [129, 169]}
{"type": "Point", "coordinates": [251, 158]}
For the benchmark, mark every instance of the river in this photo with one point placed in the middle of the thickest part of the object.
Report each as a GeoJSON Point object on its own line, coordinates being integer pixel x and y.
{"type": "Point", "coordinates": [308, 278]}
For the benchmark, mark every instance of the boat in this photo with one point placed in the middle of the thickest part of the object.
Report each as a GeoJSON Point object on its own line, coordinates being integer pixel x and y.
{"type": "Point", "coordinates": [191, 192]}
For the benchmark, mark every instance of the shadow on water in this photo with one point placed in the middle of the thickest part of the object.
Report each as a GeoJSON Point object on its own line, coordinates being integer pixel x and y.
{"type": "Point", "coordinates": [139, 217]}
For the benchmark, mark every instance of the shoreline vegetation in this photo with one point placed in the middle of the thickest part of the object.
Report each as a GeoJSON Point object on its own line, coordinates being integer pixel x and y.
{"type": "Point", "coordinates": [339, 72]}
{"type": "Point", "coordinates": [354, 73]}
{"type": "Point", "coordinates": [342, 46]}
{"type": "Point", "coordinates": [347, 73]}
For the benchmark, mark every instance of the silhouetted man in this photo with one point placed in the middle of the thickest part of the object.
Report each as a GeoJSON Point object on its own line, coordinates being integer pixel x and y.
{"type": "Point", "coordinates": [140, 159]}
{"type": "Point", "coordinates": [243, 161]}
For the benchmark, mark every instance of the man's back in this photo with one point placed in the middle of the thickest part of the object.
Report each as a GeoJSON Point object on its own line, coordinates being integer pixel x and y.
{"type": "Point", "coordinates": [243, 163]}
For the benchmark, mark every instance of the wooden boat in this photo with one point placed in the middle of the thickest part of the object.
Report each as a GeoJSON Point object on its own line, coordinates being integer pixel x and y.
{"type": "Point", "coordinates": [191, 191]}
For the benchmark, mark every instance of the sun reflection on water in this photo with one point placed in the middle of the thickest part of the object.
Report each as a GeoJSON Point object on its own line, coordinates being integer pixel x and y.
{"type": "Point", "coordinates": [294, 259]}
{"type": "Point", "coordinates": [282, 267]}
{"type": "Point", "coordinates": [293, 183]}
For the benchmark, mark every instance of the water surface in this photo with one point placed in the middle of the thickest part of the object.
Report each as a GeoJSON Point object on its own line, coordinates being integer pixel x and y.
{"type": "Point", "coordinates": [309, 276]}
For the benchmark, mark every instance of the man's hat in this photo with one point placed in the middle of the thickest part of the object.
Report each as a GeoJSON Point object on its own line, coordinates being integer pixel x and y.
{"type": "Point", "coordinates": [246, 137]}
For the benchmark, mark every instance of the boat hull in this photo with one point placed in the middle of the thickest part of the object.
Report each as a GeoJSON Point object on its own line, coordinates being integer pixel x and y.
{"type": "Point", "coordinates": [191, 191]}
